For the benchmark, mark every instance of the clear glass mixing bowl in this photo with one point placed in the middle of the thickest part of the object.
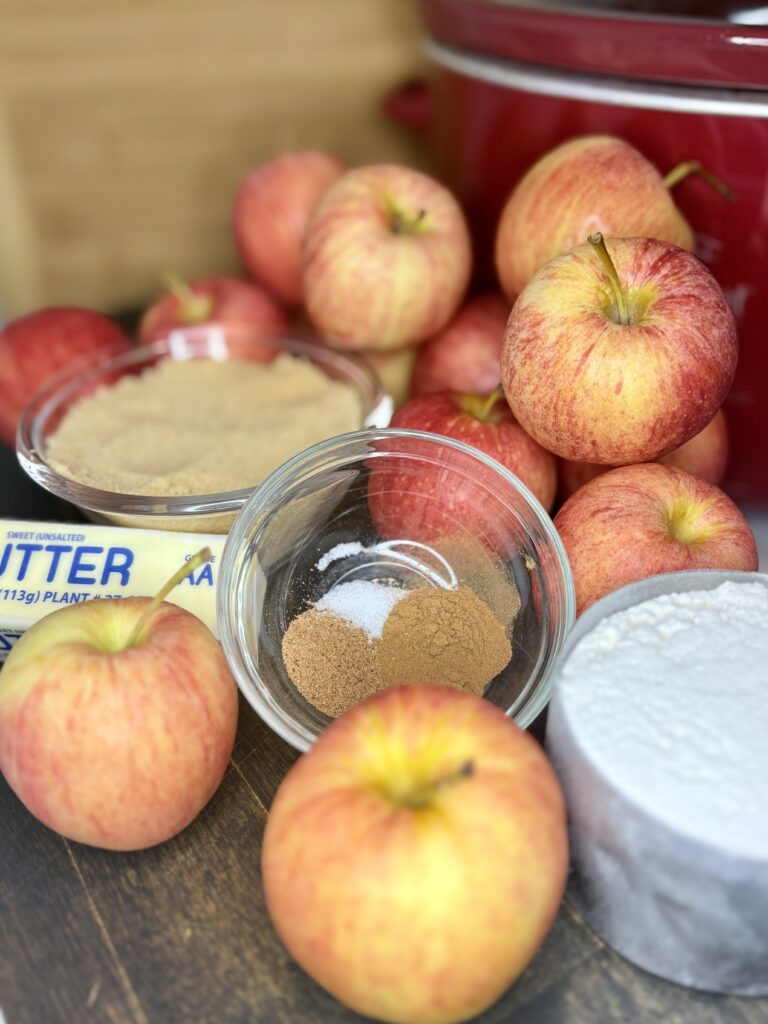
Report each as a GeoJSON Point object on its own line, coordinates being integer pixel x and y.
{"type": "Point", "coordinates": [399, 507]}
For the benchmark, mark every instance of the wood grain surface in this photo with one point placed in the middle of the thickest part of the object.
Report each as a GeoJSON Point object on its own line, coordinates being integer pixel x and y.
{"type": "Point", "coordinates": [126, 126]}
{"type": "Point", "coordinates": [180, 933]}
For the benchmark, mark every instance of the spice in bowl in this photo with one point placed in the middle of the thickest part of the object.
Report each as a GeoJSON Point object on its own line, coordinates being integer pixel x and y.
{"type": "Point", "coordinates": [200, 426]}
{"type": "Point", "coordinates": [364, 636]}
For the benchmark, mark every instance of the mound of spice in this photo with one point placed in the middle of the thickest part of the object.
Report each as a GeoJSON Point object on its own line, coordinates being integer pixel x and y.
{"type": "Point", "coordinates": [332, 663]}
{"type": "Point", "coordinates": [447, 637]}
{"type": "Point", "coordinates": [343, 650]}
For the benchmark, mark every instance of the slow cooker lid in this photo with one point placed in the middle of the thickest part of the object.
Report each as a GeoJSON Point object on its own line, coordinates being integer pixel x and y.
{"type": "Point", "coordinates": [740, 12]}
{"type": "Point", "coordinates": [698, 42]}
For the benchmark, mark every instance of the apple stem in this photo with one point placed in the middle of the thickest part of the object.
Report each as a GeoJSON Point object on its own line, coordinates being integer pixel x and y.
{"type": "Point", "coordinates": [598, 244]}
{"type": "Point", "coordinates": [683, 170]}
{"type": "Point", "coordinates": [489, 404]}
{"type": "Point", "coordinates": [402, 224]}
{"type": "Point", "coordinates": [422, 796]}
{"type": "Point", "coordinates": [194, 307]}
{"type": "Point", "coordinates": [198, 559]}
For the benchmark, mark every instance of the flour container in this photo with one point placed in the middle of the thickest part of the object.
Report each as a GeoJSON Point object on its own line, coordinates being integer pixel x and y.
{"type": "Point", "coordinates": [662, 766]}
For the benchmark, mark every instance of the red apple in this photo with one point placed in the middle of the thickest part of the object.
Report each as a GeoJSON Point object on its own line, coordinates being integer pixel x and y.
{"type": "Point", "coordinates": [272, 208]}
{"type": "Point", "coordinates": [415, 858]}
{"type": "Point", "coordinates": [436, 498]}
{"type": "Point", "coordinates": [215, 300]}
{"type": "Point", "coordinates": [705, 456]}
{"type": "Point", "coordinates": [589, 184]}
{"type": "Point", "coordinates": [117, 719]}
{"type": "Point", "coordinates": [387, 258]}
{"type": "Point", "coordinates": [620, 354]}
{"type": "Point", "coordinates": [466, 356]}
{"type": "Point", "coordinates": [485, 422]}
{"type": "Point", "coordinates": [573, 475]}
{"type": "Point", "coordinates": [35, 347]}
{"type": "Point", "coordinates": [643, 520]}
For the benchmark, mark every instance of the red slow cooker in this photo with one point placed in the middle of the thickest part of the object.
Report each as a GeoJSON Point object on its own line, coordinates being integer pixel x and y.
{"type": "Point", "coordinates": [679, 80]}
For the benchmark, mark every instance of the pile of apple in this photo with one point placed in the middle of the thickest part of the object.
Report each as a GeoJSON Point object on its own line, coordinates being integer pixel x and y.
{"type": "Point", "coordinates": [415, 858]}
{"type": "Point", "coordinates": [616, 353]}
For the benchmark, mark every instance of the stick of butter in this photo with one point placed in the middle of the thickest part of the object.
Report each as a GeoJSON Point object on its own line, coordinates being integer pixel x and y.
{"type": "Point", "coordinates": [45, 566]}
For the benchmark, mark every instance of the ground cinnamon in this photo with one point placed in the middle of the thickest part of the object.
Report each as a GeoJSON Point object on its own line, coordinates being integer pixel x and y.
{"type": "Point", "coordinates": [443, 636]}
{"type": "Point", "coordinates": [477, 567]}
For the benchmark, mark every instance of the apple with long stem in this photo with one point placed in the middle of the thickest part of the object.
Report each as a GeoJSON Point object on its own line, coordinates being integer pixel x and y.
{"type": "Point", "coordinates": [117, 718]}
{"type": "Point", "coordinates": [591, 183]}
{"type": "Point", "coordinates": [618, 353]}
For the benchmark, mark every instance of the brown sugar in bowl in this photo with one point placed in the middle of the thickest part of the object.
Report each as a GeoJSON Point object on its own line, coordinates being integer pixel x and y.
{"type": "Point", "coordinates": [210, 510]}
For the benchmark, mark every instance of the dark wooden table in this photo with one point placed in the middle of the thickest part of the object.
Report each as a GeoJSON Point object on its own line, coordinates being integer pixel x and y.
{"type": "Point", "coordinates": [180, 933]}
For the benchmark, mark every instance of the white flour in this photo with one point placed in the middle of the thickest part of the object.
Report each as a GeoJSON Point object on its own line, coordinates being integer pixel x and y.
{"type": "Point", "coordinates": [669, 700]}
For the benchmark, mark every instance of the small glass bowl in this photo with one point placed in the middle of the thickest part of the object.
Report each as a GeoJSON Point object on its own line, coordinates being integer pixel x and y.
{"type": "Point", "coordinates": [355, 508]}
{"type": "Point", "coordinates": [200, 513]}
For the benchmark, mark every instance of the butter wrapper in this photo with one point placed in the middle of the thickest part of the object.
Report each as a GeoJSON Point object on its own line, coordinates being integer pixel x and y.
{"type": "Point", "coordinates": [45, 566]}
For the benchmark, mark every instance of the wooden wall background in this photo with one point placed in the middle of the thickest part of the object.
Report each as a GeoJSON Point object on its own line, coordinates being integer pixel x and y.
{"type": "Point", "coordinates": [125, 126]}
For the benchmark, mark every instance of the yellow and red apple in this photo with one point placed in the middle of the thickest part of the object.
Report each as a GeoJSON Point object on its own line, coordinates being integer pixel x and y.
{"type": "Point", "coordinates": [387, 258]}
{"type": "Point", "coordinates": [415, 858]}
{"type": "Point", "coordinates": [591, 183]}
{"type": "Point", "coordinates": [466, 355]}
{"type": "Point", "coordinates": [706, 454]}
{"type": "Point", "coordinates": [272, 208]}
{"type": "Point", "coordinates": [620, 352]}
{"type": "Point", "coordinates": [114, 740]}
{"type": "Point", "coordinates": [225, 301]}
{"type": "Point", "coordinates": [485, 422]}
{"type": "Point", "coordinates": [424, 494]}
{"type": "Point", "coordinates": [648, 519]}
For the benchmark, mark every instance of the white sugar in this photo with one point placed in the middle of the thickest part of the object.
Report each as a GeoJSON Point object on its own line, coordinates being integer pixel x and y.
{"type": "Point", "coordinates": [362, 603]}
{"type": "Point", "coordinates": [669, 700]}
{"type": "Point", "coordinates": [339, 551]}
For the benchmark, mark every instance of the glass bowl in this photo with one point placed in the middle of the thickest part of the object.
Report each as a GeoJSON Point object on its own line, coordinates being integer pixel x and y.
{"type": "Point", "coordinates": [201, 513]}
{"type": "Point", "coordinates": [403, 508]}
